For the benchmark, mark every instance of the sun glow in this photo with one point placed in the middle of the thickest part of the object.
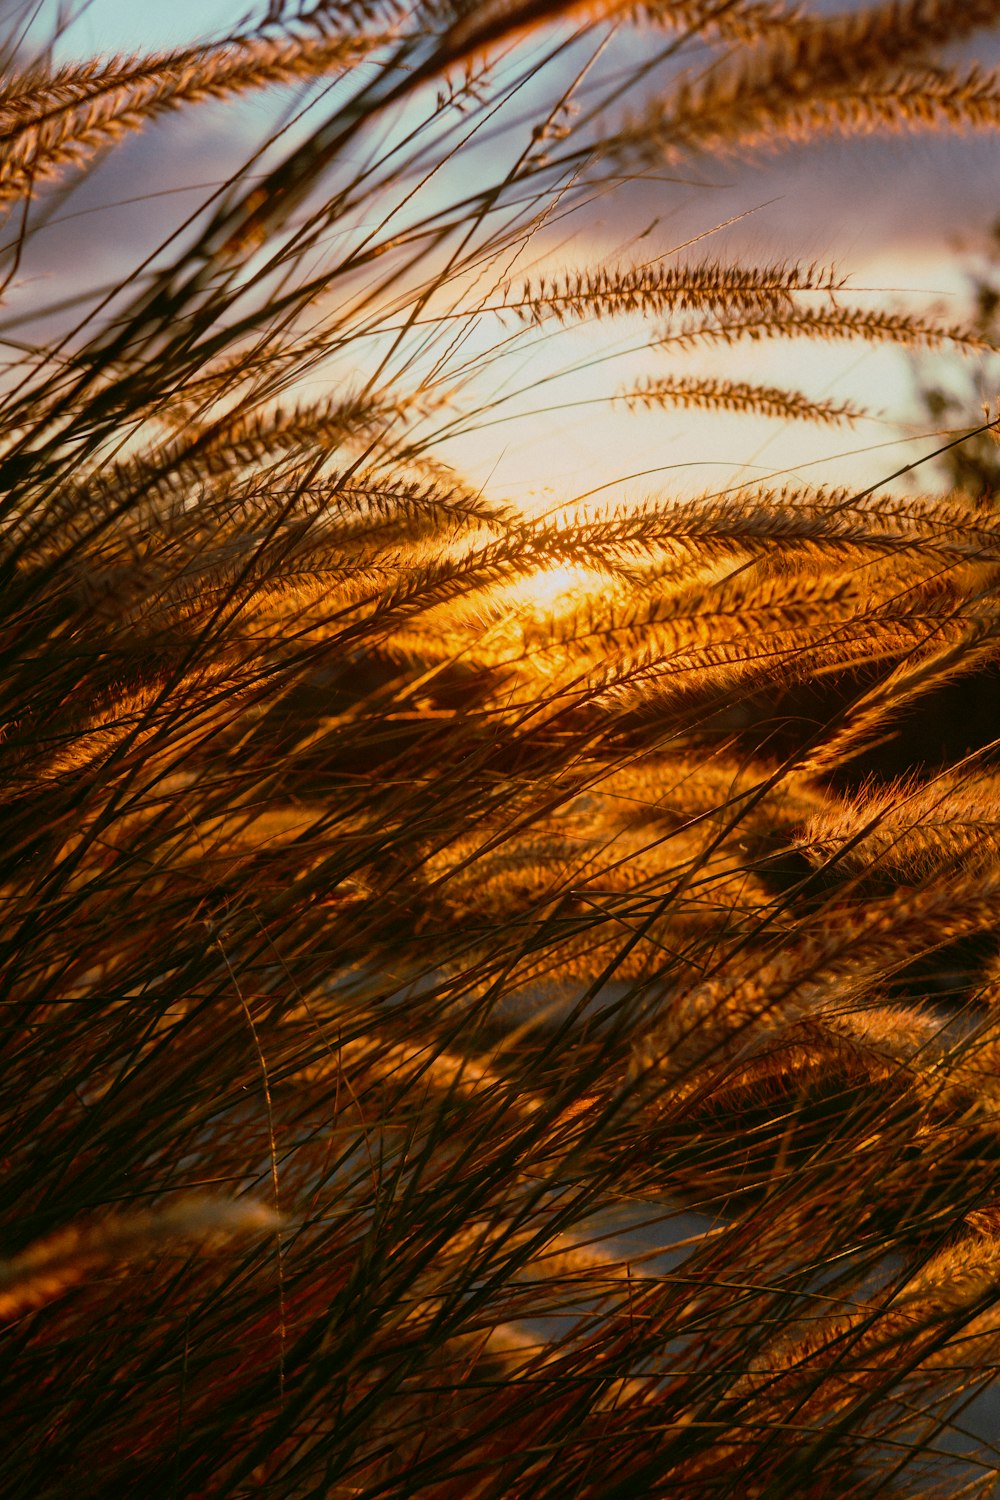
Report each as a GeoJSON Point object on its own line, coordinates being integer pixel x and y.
{"type": "Point", "coordinates": [550, 590]}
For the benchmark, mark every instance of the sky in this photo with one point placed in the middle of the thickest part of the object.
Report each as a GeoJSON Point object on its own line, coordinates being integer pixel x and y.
{"type": "Point", "coordinates": [135, 25]}
{"type": "Point", "coordinates": [889, 214]}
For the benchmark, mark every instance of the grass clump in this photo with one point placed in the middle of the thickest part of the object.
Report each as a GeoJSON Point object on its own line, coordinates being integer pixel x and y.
{"type": "Point", "coordinates": [381, 943]}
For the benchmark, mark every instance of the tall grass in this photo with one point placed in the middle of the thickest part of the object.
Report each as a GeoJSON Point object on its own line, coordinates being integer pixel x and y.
{"type": "Point", "coordinates": [380, 945]}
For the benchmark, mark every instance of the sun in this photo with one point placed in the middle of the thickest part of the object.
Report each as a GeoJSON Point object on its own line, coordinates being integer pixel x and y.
{"type": "Point", "coordinates": [550, 589]}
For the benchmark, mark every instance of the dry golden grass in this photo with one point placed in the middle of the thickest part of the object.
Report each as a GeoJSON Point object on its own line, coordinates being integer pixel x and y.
{"type": "Point", "coordinates": [385, 937]}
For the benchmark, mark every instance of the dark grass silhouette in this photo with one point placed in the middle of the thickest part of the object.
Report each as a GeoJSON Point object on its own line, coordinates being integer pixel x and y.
{"type": "Point", "coordinates": [375, 936]}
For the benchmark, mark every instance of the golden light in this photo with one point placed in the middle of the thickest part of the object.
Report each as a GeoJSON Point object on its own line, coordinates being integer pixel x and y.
{"type": "Point", "coordinates": [550, 590]}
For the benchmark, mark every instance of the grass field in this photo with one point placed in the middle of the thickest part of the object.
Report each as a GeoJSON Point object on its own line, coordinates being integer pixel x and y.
{"type": "Point", "coordinates": [494, 1005]}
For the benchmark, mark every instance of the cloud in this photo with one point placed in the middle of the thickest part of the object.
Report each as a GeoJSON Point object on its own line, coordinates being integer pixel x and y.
{"type": "Point", "coordinates": [847, 200]}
